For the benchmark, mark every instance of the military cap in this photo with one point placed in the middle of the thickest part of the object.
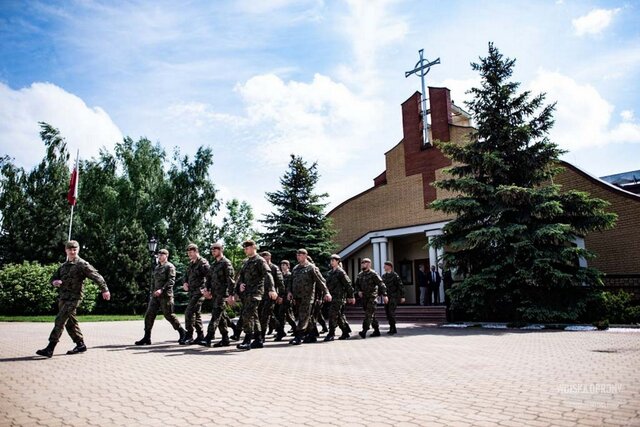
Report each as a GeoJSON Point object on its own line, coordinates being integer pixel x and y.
{"type": "Point", "coordinates": [71, 244]}
{"type": "Point", "coordinates": [285, 261]}
{"type": "Point", "coordinates": [366, 260]}
{"type": "Point", "coordinates": [163, 251]}
{"type": "Point", "coordinates": [265, 253]}
{"type": "Point", "coordinates": [248, 243]}
{"type": "Point", "coordinates": [389, 263]}
{"type": "Point", "coordinates": [335, 256]}
{"type": "Point", "coordinates": [192, 247]}
{"type": "Point", "coordinates": [217, 245]}
{"type": "Point", "coordinates": [302, 251]}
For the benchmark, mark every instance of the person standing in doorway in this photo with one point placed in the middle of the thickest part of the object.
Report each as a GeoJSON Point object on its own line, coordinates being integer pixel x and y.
{"type": "Point", "coordinates": [434, 285]}
{"type": "Point", "coordinates": [422, 284]}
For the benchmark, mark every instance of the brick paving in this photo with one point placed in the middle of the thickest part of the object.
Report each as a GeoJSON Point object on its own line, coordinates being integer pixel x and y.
{"type": "Point", "coordinates": [422, 377]}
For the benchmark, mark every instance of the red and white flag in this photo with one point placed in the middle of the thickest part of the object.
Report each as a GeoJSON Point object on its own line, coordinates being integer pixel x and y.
{"type": "Point", "coordinates": [72, 195]}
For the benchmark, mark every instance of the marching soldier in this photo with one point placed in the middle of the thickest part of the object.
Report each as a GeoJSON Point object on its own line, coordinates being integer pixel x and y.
{"type": "Point", "coordinates": [369, 285]}
{"type": "Point", "coordinates": [253, 280]}
{"type": "Point", "coordinates": [220, 285]}
{"type": "Point", "coordinates": [195, 278]}
{"type": "Point", "coordinates": [395, 292]}
{"type": "Point", "coordinates": [164, 277]}
{"type": "Point", "coordinates": [267, 304]}
{"type": "Point", "coordinates": [341, 290]}
{"type": "Point", "coordinates": [305, 279]}
{"type": "Point", "coordinates": [284, 312]}
{"type": "Point", "coordinates": [69, 278]}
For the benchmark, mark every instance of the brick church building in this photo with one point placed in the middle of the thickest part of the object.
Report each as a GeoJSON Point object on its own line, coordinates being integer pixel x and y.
{"type": "Point", "coordinates": [368, 228]}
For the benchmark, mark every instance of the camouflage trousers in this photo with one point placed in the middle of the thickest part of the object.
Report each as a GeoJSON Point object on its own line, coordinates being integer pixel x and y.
{"type": "Point", "coordinates": [369, 305]}
{"type": "Point", "coordinates": [165, 304]}
{"type": "Point", "coordinates": [66, 318]}
{"type": "Point", "coordinates": [304, 308]}
{"type": "Point", "coordinates": [219, 319]}
{"type": "Point", "coordinates": [336, 316]}
{"type": "Point", "coordinates": [284, 313]}
{"type": "Point", "coordinates": [265, 310]}
{"type": "Point", "coordinates": [193, 314]}
{"type": "Point", "coordinates": [250, 317]}
{"type": "Point", "coordinates": [390, 310]}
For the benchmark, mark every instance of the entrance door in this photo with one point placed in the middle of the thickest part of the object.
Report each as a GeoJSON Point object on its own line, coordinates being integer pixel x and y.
{"type": "Point", "coordinates": [416, 273]}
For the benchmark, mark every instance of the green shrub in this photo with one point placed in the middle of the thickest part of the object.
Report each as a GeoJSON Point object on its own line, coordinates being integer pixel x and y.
{"type": "Point", "coordinates": [25, 289]}
{"type": "Point", "coordinates": [614, 307]}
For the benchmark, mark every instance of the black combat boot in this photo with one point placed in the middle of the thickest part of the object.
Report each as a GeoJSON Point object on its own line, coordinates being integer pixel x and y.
{"type": "Point", "coordinates": [206, 340]}
{"type": "Point", "coordinates": [348, 328]}
{"type": "Point", "coordinates": [224, 342]}
{"type": "Point", "coordinates": [246, 343]}
{"type": "Point", "coordinates": [392, 329]}
{"type": "Point", "coordinates": [258, 342]}
{"type": "Point", "coordinates": [187, 339]}
{"type": "Point", "coordinates": [311, 338]}
{"type": "Point", "coordinates": [345, 335]}
{"type": "Point", "coordinates": [297, 340]}
{"type": "Point", "coordinates": [376, 332]}
{"type": "Point", "coordinates": [183, 336]}
{"type": "Point", "coordinates": [146, 340]}
{"type": "Point", "coordinates": [236, 332]}
{"type": "Point", "coordinates": [199, 337]}
{"type": "Point", "coordinates": [331, 335]}
{"type": "Point", "coordinates": [281, 334]}
{"type": "Point", "coordinates": [48, 350]}
{"type": "Point", "coordinates": [79, 348]}
{"type": "Point", "coordinates": [363, 334]}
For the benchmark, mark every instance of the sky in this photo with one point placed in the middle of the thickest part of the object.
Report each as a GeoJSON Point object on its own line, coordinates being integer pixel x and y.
{"type": "Point", "coordinates": [258, 81]}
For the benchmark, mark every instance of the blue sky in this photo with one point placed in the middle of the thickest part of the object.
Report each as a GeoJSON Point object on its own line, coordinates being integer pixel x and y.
{"type": "Point", "coordinates": [259, 80]}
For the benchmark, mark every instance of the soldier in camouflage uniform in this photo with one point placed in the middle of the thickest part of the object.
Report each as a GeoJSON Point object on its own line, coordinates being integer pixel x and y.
{"type": "Point", "coordinates": [368, 286]}
{"type": "Point", "coordinates": [219, 286]}
{"type": "Point", "coordinates": [266, 307]}
{"type": "Point", "coordinates": [306, 278]}
{"type": "Point", "coordinates": [395, 292]}
{"type": "Point", "coordinates": [283, 310]}
{"type": "Point", "coordinates": [164, 277]}
{"type": "Point", "coordinates": [69, 278]}
{"type": "Point", "coordinates": [253, 280]}
{"type": "Point", "coordinates": [195, 279]}
{"type": "Point", "coordinates": [341, 290]}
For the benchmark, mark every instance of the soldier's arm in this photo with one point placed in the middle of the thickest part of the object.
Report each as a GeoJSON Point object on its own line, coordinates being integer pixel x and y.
{"type": "Point", "coordinates": [171, 279]}
{"type": "Point", "coordinates": [205, 270]}
{"type": "Point", "coordinates": [56, 275]}
{"type": "Point", "coordinates": [320, 281]}
{"type": "Point", "coordinates": [382, 288]}
{"type": "Point", "coordinates": [400, 285]}
{"type": "Point", "coordinates": [346, 284]}
{"type": "Point", "coordinates": [279, 282]}
{"type": "Point", "coordinates": [90, 272]}
{"type": "Point", "coordinates": [268, 278]}
{"type": "Point", "coordinates": [229, 273]}
{"type": "Point", "coordinates": [240, 278]}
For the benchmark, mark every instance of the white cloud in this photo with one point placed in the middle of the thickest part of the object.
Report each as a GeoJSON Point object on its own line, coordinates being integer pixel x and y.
{"type": "Point", "coordinates": [594, 22]}
{"type": "Point", "coordinates": [83, 127]}
{"type": "Point", "coordinates": [627, 115]}
{"type": "Point", "coordinates": [583, 118]}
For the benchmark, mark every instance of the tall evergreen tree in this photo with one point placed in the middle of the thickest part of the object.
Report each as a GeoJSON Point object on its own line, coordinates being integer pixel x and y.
{"type": "Point", "coordinates": [513, 232]}
{"type": "Point", "coordinates": [298, 219]}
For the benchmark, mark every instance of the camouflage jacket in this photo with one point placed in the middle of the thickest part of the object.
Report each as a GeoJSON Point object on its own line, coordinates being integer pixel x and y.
{"type": "Point", "coordinates": [304, 280]}
{"type": "Point", "coordinates": [196, 275]}
{"type": "Point", "coordinates": [72, 274]}
{"type": "Point", "coordinates": [256, 275]}
{"type": "Point", "coordinates": [220, 281]}
{"type": "Point", "coordinates": [164, 277]}
{"type": "Point", "coordinates": [278, 279]}
{"type": "Point", "coordinates": [287, 279]}
{"type": "Point", "coordinates": [370, 284]}
{"type": "Point", "coordinates": [393, 282]}
{"type": "Point", "coordinates": [339, 284]}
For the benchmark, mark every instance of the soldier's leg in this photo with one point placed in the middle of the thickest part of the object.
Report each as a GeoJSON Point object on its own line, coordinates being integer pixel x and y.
{"type": "Point", "coordinates": [150, 315]}
{"type": "Point", "coordinates": [198, 316]}
{"type": "Point", "coordinates": [290, 315]}
{"type": "Point", "coordinates": [167, 306]}
{"type": "Point", "coordinates": [190, 316]}
{"type": "Point", "coordinates": [374, 320]}
{"type": "Point", "coordinates": [59, 322]}
{"type": "Point", "coordinates": [366, 322]}
{"type": "Point", "coordinates": [72, 326]}
{"type": "Point", "coordinates": [249, 321]}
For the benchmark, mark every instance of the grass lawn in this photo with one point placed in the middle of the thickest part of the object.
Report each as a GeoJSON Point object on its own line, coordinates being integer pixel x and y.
{"type": "Point", "coordinates": [81, 318]}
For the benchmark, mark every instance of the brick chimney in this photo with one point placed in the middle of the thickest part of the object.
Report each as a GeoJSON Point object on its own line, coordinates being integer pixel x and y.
{"type": "Point", "coordinates": [440, 100]}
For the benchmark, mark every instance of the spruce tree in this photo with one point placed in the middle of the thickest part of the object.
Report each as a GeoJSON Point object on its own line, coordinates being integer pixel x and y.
{"type": "Point", "coordinates": [298, 219]}
{"type": "Point", "coordinates": [513, 232]}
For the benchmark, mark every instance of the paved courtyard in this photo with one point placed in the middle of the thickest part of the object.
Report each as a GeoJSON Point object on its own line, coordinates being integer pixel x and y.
{"type": "Point", "coordinates": [423, 377]}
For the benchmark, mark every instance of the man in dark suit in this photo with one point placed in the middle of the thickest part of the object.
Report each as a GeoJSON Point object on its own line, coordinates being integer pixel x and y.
{"type": "Point", "coordinates": [434, 286]}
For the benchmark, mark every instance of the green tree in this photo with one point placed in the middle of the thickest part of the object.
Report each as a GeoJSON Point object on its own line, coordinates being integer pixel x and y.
{"type": "Point", "coordinates": [33, 205]}
{"type": "Point", "coordinates": [298, 219]}
{"type": "Point", "coordinates": [237, 226]}
{"type": "Point", "coordinates": [513, 232]}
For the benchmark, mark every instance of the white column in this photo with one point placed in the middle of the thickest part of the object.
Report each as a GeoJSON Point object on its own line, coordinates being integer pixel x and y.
{"type": "Point", "coordinates": [379, 253]}
{"type": "Point", "coordinates": [439, 253]}
{"type": "Point", "coordinates": [435, 255]}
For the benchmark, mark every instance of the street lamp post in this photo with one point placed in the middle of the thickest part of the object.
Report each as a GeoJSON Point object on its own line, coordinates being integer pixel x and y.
{"type": "Point", "coordinates": [152, 244]}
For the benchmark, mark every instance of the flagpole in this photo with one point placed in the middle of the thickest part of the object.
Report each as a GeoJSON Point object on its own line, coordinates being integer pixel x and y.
{"type": "Point", "coordinates": [73, 192]}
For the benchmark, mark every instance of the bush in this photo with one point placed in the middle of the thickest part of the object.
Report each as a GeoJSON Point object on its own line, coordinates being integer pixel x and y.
{"type": "Point", "coordinates": [614, 308]}
{"type": "Point", "coordinates": [25, 289]}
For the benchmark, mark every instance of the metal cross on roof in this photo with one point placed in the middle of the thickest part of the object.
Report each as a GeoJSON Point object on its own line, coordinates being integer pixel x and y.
{"type": "Point", "coordinates": [421, 69]}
